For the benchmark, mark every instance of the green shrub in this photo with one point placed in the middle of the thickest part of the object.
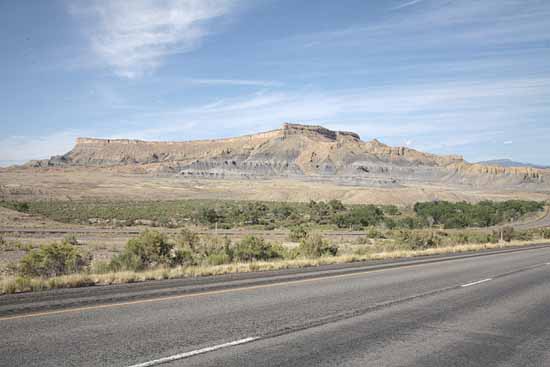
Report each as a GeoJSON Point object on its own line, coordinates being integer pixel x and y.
{"type": "Point", "coordinates": [126, 261]}
{"type": "Point", "coordinates": [192, 249]}
{"type": "Point", "coordinates": [21, 207]}
{"type": "Point", "coordinates": [217, 251]}
{"type": "Point", "coordinates": [253, 248]}
{"type": "Point", "coordinates": [315, 246]}
{"type": "Point", "coordinates": [230, 214]}
{"type": "Point", "coordinates": [297, 233]}
{"type": "Point", "coordinates": [188, 244]}
{"type": "Point", "coordinates": [150, 249]}
{"type": "Point", "coordinates": [359, 217]}
{"type": "Point", "coordinates": [183, 256]}
{"type": "Point", "coordinates": [52, 260]}
{"type": "Point", "coordinates": [209, 216]}
{"type": "Point", "coordinates": [483, 214]}
{"type": "Point", "coordinates": [546, 233]}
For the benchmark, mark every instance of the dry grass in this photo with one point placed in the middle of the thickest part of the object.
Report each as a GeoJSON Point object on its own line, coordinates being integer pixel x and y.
{"type": "Point", "coordinates": [19, 284]}
{"type": "Point", "coordinates": [116, 184]}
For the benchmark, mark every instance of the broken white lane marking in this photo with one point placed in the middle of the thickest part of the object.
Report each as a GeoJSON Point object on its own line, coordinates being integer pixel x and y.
{"type": "Point", "coordinates": [478, 282]}
{"type": "Point", "coordinates": [193, 353]}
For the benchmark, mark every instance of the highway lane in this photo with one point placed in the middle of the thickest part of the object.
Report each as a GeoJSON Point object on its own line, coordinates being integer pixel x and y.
{"type": "Point", "coordinates": [410, 315]}
{"type": "Point", "coordinates": [505, 322]}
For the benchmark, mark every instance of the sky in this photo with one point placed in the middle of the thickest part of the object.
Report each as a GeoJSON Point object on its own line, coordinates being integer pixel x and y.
{"type": "Point", "coordinates": [464, 77]}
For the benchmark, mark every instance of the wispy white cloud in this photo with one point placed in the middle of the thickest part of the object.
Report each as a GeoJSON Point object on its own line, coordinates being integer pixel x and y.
{"type": "Point", "coordinates": [439, 24]}
{"type": "Point", "coordinates": [406, 4]}
{"type": "Point", "coordinates": [134, 37]}
{"type": "Point", "coordinates": [235, 82]}
{"type": "Point", "coordinates": [396, 113]}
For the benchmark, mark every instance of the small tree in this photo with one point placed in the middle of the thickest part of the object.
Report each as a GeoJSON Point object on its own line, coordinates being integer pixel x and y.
{"type": "Point", "coordinates": [254, 248]}
{"type": "Point", "coordinates": [208, 216]}
{"type": "Point", "coordinates": [149, 249]}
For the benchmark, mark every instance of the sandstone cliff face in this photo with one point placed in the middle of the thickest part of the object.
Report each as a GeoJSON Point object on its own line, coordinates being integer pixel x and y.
{"type": "Point", "coordinates": [301, 151]}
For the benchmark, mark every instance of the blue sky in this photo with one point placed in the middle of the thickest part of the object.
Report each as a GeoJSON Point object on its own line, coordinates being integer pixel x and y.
{"type": "Point", "coordinates": [446, 76]}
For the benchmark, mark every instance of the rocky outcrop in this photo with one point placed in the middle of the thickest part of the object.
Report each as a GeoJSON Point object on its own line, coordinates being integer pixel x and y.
{"type": "Point", "coordinates": [294, 150]}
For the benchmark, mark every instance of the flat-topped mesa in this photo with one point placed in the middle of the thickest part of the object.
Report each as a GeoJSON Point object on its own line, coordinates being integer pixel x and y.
{"type": "Point", "coordinates": [290, 151]}
{"type": "Point", "coordinates": [96, 141]}
{"type": "Point", "coordinates": [311, 130]}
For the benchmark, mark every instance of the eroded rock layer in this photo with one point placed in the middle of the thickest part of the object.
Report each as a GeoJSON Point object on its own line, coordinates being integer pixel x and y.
{"type": "Point", "coordinates": [300, 151]}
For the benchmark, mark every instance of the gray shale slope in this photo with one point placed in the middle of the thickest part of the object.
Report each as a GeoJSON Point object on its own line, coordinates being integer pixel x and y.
{"type": "Point", "coordinates": [296, 151]}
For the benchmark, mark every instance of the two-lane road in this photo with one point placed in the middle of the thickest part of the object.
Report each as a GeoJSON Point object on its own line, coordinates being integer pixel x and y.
{"type": "Point", "coordinates": [491, 310]}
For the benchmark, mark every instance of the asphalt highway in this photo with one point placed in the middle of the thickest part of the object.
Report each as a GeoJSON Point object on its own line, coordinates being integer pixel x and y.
{"type": "Point", "coordinates": [490, 310]}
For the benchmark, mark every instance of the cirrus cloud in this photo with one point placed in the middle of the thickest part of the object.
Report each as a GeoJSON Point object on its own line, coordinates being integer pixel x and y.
{"type": "Point", "coordinates": [134, 37]}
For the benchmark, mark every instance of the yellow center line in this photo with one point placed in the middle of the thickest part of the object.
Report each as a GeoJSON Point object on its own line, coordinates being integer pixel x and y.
{"type": "Point", "coordinates": [220, 291]}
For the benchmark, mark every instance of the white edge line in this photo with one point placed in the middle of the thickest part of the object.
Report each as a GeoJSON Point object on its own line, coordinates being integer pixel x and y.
{"type": "Point", "coordinates": [193, 353]}
{"type": "Point", "coordinates": [478, 282]}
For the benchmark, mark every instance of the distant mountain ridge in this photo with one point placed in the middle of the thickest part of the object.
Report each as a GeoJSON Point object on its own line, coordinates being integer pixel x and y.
{"type": "Point", "coordinates": [295, 151]}
{"type": "Point", "coordinates": [510, 163]}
